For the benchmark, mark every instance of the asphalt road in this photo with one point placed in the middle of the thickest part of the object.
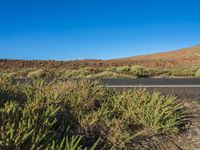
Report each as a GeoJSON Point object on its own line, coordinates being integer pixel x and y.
{"type": "Point", "coordinates": [183, 88]}
{"type": "Point", "coordinates": [153, 82]}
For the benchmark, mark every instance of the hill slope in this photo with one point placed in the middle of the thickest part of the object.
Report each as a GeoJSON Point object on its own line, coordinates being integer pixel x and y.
{"type": "Point", "coordinates": [177, 58]}
{"type": "Point", "coordinates": [193, 52]}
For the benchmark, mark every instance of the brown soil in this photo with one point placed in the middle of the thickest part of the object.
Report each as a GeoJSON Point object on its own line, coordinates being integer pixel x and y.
{"type": "Point", "coordinates": [190, 139]}
{"type": "Point", "coordinates": [179, 58]}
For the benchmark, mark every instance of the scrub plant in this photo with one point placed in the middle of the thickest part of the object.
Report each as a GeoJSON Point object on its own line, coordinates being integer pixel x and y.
{"type": "Point", "coordinates": [140, 71]}
{"type": "Point", "coordinates": [123, 69]}
{"type": "Point", "coordinates": [81, 114]}
{"type": "Point", "coordinates": [36, 74]}
{"type": "Point", "coordinates": [197, 74]}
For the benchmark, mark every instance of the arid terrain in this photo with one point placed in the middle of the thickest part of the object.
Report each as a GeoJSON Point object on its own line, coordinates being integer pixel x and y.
{"type": "Point", "coordinates": [177, 58]}
{"type": "Point", "coordinates": [84, 114]}
{"type": "Point", "coordinates": [177, 63]}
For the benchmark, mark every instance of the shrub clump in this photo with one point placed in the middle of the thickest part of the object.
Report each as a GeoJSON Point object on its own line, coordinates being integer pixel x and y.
{"type": "Point", "coordinates": [109, 74]}
{"type": "Point", "coordinates": [36, 74]}
{"type": "Point", "coordinates": [153, 112]}
{"type": "Point", "coordinates": [112, 69]}
{"type": "Point", "coordinates": [123, 69]}
{"type": "Point", "coordinates": [140, 71]}
{"type": "Point", "coordinates": [82, 114]}
{"type": "Point", "coordinates": [81, 73]}
{"type": "Point", "coordinates": [43, 121]}
{"type": "Point", "coordinates": [195, 68]}
{"type": "Point", "coordinates": [197, 74]}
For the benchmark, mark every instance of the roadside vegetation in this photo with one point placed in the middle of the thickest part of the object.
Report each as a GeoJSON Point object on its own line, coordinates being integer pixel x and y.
{"type": "Point", "coordinates": [75, 115]}
{"type": "Point", "coordinates": [109, 72]}
{"type": "Point", "coordinates": [197, 74]}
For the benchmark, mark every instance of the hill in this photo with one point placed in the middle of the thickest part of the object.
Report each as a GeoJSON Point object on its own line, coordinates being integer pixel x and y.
{"type": "Point", "coordinates": [175, 58]}
{"type": "Point", "coordinates": [172, 59]}
{"type": "Point", "coordinates": [184, 53]}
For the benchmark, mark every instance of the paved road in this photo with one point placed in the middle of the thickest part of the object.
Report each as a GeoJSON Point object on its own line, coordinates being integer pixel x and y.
{"type": "Point", "coordinates": [153, 82]}
{"type": "Point", "coordinates": [183, 88]}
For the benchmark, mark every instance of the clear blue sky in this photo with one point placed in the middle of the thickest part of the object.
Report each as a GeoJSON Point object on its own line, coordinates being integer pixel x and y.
{"type": "Point", "coordinates": [80, 29]}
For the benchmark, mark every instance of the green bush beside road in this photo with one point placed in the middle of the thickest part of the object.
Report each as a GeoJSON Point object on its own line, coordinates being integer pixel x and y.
{"type": "Point", "coordinates": [81, 114]}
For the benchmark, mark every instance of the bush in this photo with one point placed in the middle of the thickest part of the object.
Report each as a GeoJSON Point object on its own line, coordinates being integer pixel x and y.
{"type": "Point", "coordinates": [163, 72]}
{"type": "Point", "coordinates": [109, 74]}
{"type": "Point", "coordinates": [154, 112]}
{"type": "Point", "coordinates": [35, 127]}
{"type": "Point", "coordinates": [123, 69]}
{"type": "Point", "coordinates": [197, 73]}
{"type": "Point", "coordinates": [112, 69]}
{"type": "Point", "coordinates": [140, 71]}
{"type": "Point", "coordinates": [42, 122]}
{"type": "Point", "coordinates": [81, 73]}
{"type": "Point", "coordinates": [10, 75]}
{"type": "Point", "coordinates": [76, 73]}
{"type": "Point", "coordinates": [195, 68]}
{"type": "Point", "coordinates": [36, 74]}
{"type": "Point", "coordinates": [75, 114]}
{"type": "Point", "coordinates": [24, 72]}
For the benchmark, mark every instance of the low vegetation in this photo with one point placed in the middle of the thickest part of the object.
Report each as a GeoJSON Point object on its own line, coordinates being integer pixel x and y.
{"type": "Point", "coordinates": [197, 74]}
{"type": "Point", "coordinates": [75, 115]}
{"type": "Point", "coordinates": [110, 72]}
{"type": "Point", "coordinates": [36, 74]}
{"type": "Point", "coordinates": [140, 71]}
{"type": "Point", "coordinates": [123, 69]}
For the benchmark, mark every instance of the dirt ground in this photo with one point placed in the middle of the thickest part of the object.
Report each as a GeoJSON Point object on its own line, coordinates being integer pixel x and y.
{"type": "Point", "coordinates": [190, 139]}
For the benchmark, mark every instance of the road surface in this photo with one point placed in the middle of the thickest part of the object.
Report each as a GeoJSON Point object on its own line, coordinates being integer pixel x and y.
{"type": "Point", "coordinates": [153, 82]}
{"type": "Point", "coordinates": [184, 88]}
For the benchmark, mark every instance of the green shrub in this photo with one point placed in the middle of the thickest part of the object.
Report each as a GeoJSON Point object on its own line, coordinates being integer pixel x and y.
{"type": "Point", "coordinates": [36, 74]}
{"type": "Point", "coordinates": [153, 112]}
{"type": "Point", "coordinates": [197, 74]}
{"type": "Point", "coordinates": [112, 69]}
{"type": "Point", "coordinates": [41, 123]}
{"type": "Point", "coordinates": [87, 72]}
{"type": "Point", "coordinates": [185, 71]}
{"type": "Point", "coordinates": [195, 68]}
{"type": "Point", "coordinates": [10, 75]}
{"type": "Point", "coordinates": [163, 72]}
{"type": "Point", "coordinates": [76, 73]}
{"type": "Point", "coordinates": [80, 114]}
{"type": "Point", "coordinates": [123, 69]}
{"type": "Point", "coordinates": [109, 74]}
{"type": "Point", "coordinates": [104, 74]}
{"type": "Point", "coordinates": [35, 127]}
{"type": "Point", "coordinates": [24, 72]}
{"type": "Point", "coordinates": [140, 71]}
